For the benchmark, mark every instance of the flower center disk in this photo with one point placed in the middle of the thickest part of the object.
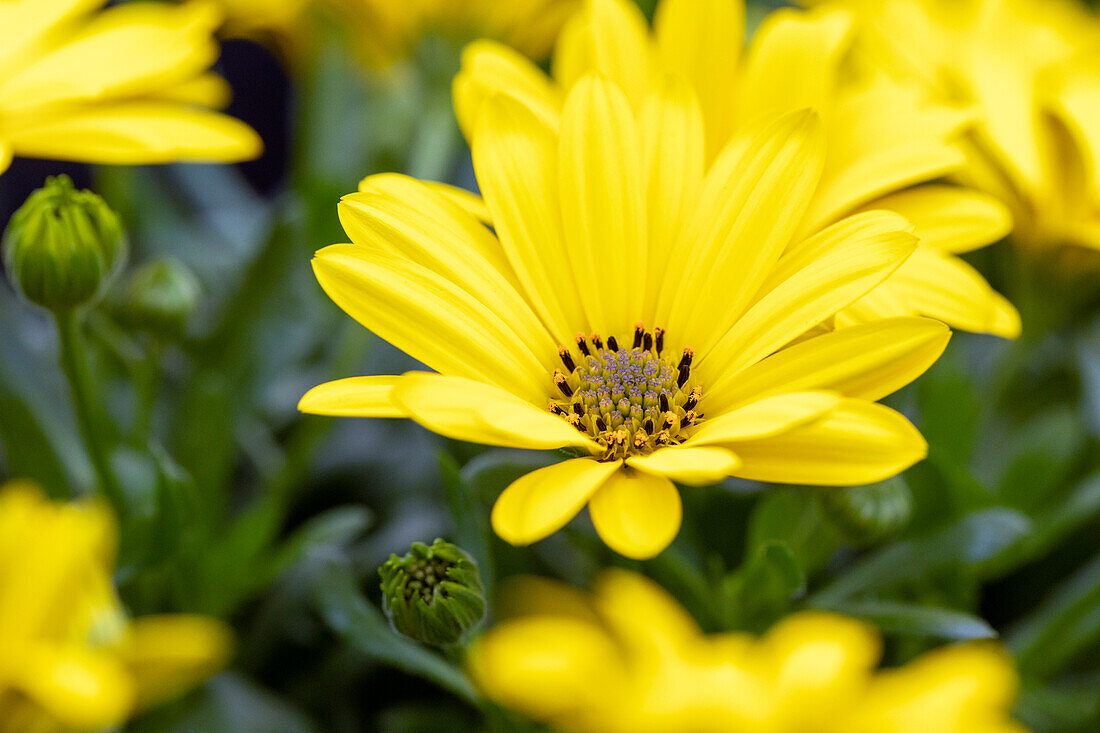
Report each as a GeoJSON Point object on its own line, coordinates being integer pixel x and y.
{"type": "Point", "coordinates": [630, 401]}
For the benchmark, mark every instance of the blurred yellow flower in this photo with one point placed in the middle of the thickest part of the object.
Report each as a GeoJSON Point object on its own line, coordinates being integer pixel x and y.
{"type": "Point", "coordinates": [635, 306]}
{"type": "Point", "coordinates": [281, 21]}
{"type": "Point", "coordinates": [387, 31]}
{"type": "Point", "coordinates": [70, 658]}
{"type": "Point", "coordinates": [1029, 70]}
{"type": "Point", "coordinates": [882, 138]}
{"type": "Point", "coordinates": [629, 659]}
{"type": "Point", "coordinates": [126, 85]}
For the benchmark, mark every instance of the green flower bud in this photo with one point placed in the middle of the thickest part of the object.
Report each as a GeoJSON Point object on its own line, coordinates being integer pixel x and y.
{"type": "Point", "coordinates": [62, 246]}
{"type": "Point", "coordinates": [160, 298]}
{"type": "Point", "coordinates": [432, 594]}
{"type": "Point", "coordinates": [870, 514]}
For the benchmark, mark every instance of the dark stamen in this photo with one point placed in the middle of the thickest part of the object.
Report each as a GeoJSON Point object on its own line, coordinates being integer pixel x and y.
{"type": "Point", "coordinates": [685, 372]}
{"type": "Point", "coordinates": [567, 359]}
{"type": "Point", "coordinates": [659, 334]}
{"type": "Point", "coordinates": [685, 360]}
{"type": "Point", "coordinates": [562, 383]}
{"type": "Point", "coordinates": [648, 425]}
{"type": "Point", "coordinates": [665, 407]}
{"type": "Point", "coordinates": [639, 334]}
{"type": "Point", "coordinates": [597, 341]}
{"type": "Point", "coordinates": [555, 409]}
{"type": "Point", "coordinates": [578, 409]}
{"type": "Point", "coordinates": [600, 424]}
{"type": "Point", "coordinates": [648, 342]}
{"type": "Point", "coordinates": [693, 398]}
{"type": "Point", "coordinates": [582, 344]}
{"type": "Point", "coordinates": [612, 343]}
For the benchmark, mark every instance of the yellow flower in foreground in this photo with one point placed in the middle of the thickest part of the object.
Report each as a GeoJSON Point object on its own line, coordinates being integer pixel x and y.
{"type": "Point", "coordinates": [388, 31]}
{"type": "Point", "coordinates": [634, 308]}
{"type": "Point", "coordinates": [125, 85]}
{"type": "Point", "coordinates": [1029, 68]}
{"type": "Point", "coordinates": [882, 138]}
{"type": "Point", "coordinates": [70, 659]}
{"type": "Point", "coordinates": [629, 659]}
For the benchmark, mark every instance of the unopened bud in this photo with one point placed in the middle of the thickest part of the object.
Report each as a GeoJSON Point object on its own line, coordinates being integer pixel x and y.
{"type": "Point", "coordinates": [62, 246]}
{"type": "Point", "coordinates": [433, 594]}
{"type": "Point", "coordinates": [869, 514]}
{"type": "Point", "coordinates": [160, 298]}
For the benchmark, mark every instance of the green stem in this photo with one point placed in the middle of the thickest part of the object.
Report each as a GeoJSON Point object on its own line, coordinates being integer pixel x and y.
{"type": "Point", "coordinates": [88, 412]}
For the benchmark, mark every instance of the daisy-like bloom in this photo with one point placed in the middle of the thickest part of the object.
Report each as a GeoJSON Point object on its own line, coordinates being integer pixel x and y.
{"type": "Point", "coordinates": [884, 138]}
{"type": "Point", "coordinates": [388, 31]}
{"type": "Point", "coordinates": [70, 658]}
{"type": "Point", "coordinates": [1029, 68]}
{"type": "Point", "coordinates": [633, 307]}
{"type": "Point", "coordinates": [127, 85]}
{"type": "Point", "coordinates": [628, 658]}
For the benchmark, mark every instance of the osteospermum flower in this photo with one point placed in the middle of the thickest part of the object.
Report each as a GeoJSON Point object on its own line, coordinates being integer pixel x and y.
{"type": "Point", "coordinates": [70, 658]}
{"type": "Point", "coordinates": [1028, 67]}
{"type": "Point", "coordinates": [125, 85]}
{"type": "Point", "coordinates": [883, 138]}
{"type": "Point", "coordinates": [633, 308]}
{"type": "Point", "coordinates": [388, 31]}
{"type": "Point", "coordinates": [629, 659]}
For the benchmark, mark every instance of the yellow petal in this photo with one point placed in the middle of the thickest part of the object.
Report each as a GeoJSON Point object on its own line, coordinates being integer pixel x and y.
{"type": "Point", "coordinates": [883, 137]}
{"type": "Point", "coordinates": [353, 397]}
{"type": "Point", "coordinates": [849, 259]}
{"type": "Point", "coordinates": [208, 90]}
{"type": "Point", "coordinates": [400, 215]}
{"type": "Point", "coordinates": [672, 139]}
{"type": "Point", "coordinates": [5, 156]}
{"type": "Point", "coordinates": [950, 218]}
{"type": "Point", "coordinates": [169, 43]}
{"type": "Point", "coordinates": [138, 132]}
{"type": "Point", "coordinates": [688, 464]}
{"type": "Point", "coordinates": [490, 68]}
{"type": "Point", "coordinates": [546, 667]}
{"type": "Point", "coordinates": [469, 202]}
{"type": "Point", "coordinates": [542, 502]}
{"type": "Point", "coordinates": [644, 615]}
{"type": "Point", "coordinates": [697, 40]}
{"type": "Point", "coordinates": [867, 361]}
{"type": "Point", "coordinates": [468, 410]}
{"type": "Point", "coordinates": [429, 318]}
{"type": "Point", "coordinates": [857, 443]}
{"type": "Point", "coordinates": [942, 286]}
{"type": "Point", "coordinates": [602, 204]}
{"type": "Point", "coordinates": [820, 664]}
{"type": "Point", "coordinates": [515, 157]}
{"type": "Point", "coordinates": [763, 418]}
{"type": "Point", "coordinates": [748, 209]}
{"type": "Point", "coordinates": [793, 62]}
{"type": "Point", "coordinates": [24, 23]}
{"type": "Point", "coordinates": [636, 514]}
{"type": "Point", "coordinates": [610, 37]}
{"type": "Point", "coordinates": [81, 688]}
{"type": "Point", "coordinates": [169, 655]}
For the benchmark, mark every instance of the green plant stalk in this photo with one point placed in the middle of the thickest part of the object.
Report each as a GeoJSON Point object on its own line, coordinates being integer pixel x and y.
{"type": "Point", "coordinates": [89, 414]}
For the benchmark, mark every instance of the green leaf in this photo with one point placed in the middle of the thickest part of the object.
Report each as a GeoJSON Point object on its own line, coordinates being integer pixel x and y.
{"type": "Point", "coordinates": [1062, 627]}
{"type": "Point", "coordinates": [364, 627]}
{"type": "Point", "coordinates": [969, 543]}
{"type": "Point", "coordinates": [471, 526]}
{"type": "Point", "coordinates": [908, 619]}
{"type": "Point", "coordinates": [795, 517]}
{"type": "Point", "coordinates": [761, 590]}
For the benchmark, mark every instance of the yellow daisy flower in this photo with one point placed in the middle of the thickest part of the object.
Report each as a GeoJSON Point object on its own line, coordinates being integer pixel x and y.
{"type": "Point", "coordinates": [125, 85]}
{"type": "Point", "coordinates": [629, 659]}
{"type": "Point", "coordinates": [1037, 142]}
{"type": "Point", "coordinates": [388, 31]}
{"type": "Point", "coordinates": [70, 658]}
{"type": "Point", "coordinates": [883, 138]}
{"type": "Point", "coordinates": [634, 307]}
{"type": "Point", "coordinates": [282, 21]}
